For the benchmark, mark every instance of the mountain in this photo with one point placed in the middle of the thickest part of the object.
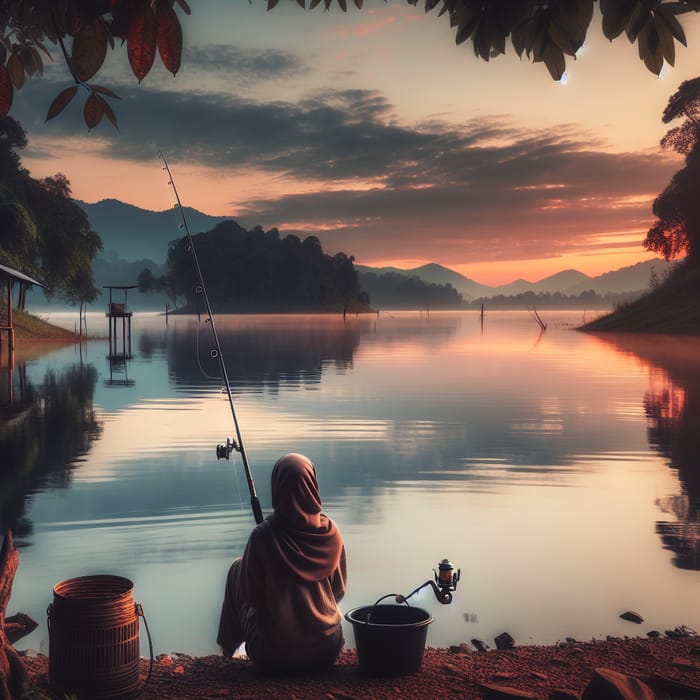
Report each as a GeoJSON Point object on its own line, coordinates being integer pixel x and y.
{"type": "Point", "coordinates": [432, 273]}
{"type": "Point", "coordinates": [131, 233]}
{"type": "Point", "coordinates": [633, 278]}
{"type": "Point", "coordinates": [626, 279]}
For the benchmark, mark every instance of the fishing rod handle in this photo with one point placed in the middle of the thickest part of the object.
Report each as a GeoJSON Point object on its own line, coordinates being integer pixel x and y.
{"type": "Point", "coordinates": [257, 509]}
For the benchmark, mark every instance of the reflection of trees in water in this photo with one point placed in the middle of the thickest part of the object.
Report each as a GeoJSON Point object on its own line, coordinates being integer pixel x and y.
{"type": "Point", "coordinates": [40, 445]}
{"type": "Point", "coordinates": [673, 411]}
{"type": "Point", "coordinates": [291, 352]}
{"type": "Point", "coordinates": [674, 423]}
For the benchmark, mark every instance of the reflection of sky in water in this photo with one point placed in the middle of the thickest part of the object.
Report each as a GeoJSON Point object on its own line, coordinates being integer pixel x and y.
{"type": "Point", "coordinates": [526, 463]}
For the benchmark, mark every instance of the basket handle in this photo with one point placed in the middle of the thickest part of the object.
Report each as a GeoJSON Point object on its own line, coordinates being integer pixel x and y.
{"type": "Point", "coordinates": [140, 613]}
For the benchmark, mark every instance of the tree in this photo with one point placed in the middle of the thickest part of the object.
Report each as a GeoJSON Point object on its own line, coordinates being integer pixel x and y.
{"type": "Point", "coordinates": [677, 208]}
{"type": "Point", "coordinates": [43, 232]}
{"type": "Point", "coordinates": [546, 31]}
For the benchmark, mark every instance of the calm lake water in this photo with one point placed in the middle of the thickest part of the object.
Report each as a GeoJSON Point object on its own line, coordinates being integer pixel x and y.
{"type": "Point", "coordinates": [560, 471]}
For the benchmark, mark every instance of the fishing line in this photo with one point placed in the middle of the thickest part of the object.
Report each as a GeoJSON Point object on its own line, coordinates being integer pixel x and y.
{"type": "Point", "coordinates": [222, 451]}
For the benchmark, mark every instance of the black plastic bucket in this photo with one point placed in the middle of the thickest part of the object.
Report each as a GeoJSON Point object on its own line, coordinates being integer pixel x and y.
{"type": "Point", "coordinates": [390, 639]}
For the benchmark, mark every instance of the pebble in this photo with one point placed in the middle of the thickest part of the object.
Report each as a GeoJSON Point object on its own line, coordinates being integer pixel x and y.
{"type": "Point", "coordinates": [632, 616]}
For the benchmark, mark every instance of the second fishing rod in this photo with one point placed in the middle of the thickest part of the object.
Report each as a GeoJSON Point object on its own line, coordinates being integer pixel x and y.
{"type": "Point", "coordinates": [222, 451]}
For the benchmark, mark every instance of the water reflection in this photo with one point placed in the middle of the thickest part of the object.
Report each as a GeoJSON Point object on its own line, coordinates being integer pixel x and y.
{"type": "Point", "coordinates": [672, 406]}
{"type": "Point", "coordinates": [267, 352]}
{"type": "Point", "coordinates": [45, 428]}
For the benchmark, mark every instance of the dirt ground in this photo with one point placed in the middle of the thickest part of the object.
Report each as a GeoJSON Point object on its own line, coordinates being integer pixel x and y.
{"type": "Point", "coordinates": [665, 664]}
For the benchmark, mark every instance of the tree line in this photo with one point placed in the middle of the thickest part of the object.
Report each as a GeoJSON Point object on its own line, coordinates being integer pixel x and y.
{"type": "Point", "coordinates": [396, 291]}
{"type": "Point", "coordinates": [257, 270]}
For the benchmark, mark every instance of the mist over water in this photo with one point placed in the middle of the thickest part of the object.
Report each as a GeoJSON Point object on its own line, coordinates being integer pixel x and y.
{"type": "Point", "coordinates": [559, 471]}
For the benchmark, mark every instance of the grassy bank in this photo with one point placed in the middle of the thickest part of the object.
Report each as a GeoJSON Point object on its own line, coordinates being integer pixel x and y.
{"type": "Point", "coordinates": [30, 328]}
{"type": "Point", "coordinates": [673, 307]}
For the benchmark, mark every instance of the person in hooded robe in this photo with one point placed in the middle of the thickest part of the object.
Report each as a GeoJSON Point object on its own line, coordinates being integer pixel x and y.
{"type": "Point", "coordinates": [282, 595]}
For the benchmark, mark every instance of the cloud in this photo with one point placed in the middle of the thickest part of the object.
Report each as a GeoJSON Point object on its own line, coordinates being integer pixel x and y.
{"type": "Point", "coordinates": [247, 65]}
{"type": "Point", "coordinates": [478, 191]}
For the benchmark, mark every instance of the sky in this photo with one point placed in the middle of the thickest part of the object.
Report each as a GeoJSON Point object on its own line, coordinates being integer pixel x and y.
{"type": "Point", "coordinates": [372, 130]}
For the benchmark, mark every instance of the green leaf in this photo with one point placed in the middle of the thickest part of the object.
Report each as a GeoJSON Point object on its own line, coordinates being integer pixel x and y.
{"type": "Point", "coordinates": [566, 36]}
{"type": "Point", "coordinates": [520, 37]}
{"type": "Point", "coordinates": [673, 24]}
{"type": "Point", "coordinates": [60, 101]}
{"type": "Point", "coordinates": [616, 16]}
{"type": "Point", "coordinates": [650, 49]}
{"type": "Point", "coordinates": [639, 19]}
{"type": "Point", "coordinates": [553, 58]}
{"type": "Point", "coordinates": [666, 42]}
{"type": "Point", "coordinates": [466, 30]}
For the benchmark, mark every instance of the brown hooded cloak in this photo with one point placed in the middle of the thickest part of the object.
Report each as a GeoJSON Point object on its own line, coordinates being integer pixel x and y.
{"type": "Point", "coordinates": [281, 595]}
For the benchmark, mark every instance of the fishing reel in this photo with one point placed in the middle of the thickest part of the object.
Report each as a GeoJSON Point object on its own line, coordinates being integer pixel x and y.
{"type": "Point", "coordinates": [445, 581]}
{"type": "Point", "coordinates": [224, 451]}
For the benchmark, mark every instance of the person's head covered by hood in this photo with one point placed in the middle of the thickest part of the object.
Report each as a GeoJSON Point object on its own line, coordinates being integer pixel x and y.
{"type": "Point", "coordinates": [308, 541]}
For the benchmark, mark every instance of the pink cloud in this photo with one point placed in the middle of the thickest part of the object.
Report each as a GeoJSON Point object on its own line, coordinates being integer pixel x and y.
{"type": "Point", "coordinates": [366, 29]}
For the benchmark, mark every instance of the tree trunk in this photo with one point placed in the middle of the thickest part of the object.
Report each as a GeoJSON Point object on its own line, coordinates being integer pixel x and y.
{"type": "Point", "coordinates": [13, 675]}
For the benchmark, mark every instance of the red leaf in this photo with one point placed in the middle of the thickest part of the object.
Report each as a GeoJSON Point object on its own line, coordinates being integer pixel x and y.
{"type": "Point", "coordinates": [141, 43]}
{"type": "Point", "coordinates": [60, 101]}
{"type": "Point", "coordinates": [93, 110]}
{"type": "Point", "coordinates": [104, 91]}
{"type": "Point", "coordinates": [110, 113]}
{"type": "Point", "coordinates": [89, 50]}
{"type": "Point", "coordinates": [169, 36]}
{"type": "Point", "coordinates": [5, 91]}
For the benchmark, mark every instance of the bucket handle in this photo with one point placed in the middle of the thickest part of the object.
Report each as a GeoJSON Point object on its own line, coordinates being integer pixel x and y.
{"type": "Point", "coordinates": [396, 596]}
{"type": "Point", "coordinates": [140, 613]}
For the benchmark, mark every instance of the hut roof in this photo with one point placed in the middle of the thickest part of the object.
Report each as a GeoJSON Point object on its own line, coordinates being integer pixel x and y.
{"type": "Point", "coordinates": [11, 272]}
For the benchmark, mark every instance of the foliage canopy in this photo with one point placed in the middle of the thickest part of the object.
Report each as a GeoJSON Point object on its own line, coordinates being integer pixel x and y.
{"type": "Point", "coordinates": [258, 269]}
{"type": "Point", "coordinates": [546, 31]}
{"type": "Point", "coordinates": [677, 229]}
{"type": "Point", "coordinates": [43, 232]}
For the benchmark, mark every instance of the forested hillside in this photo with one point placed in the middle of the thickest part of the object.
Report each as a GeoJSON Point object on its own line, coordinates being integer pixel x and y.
{"type": "Point", "coordinates": [258, 271]}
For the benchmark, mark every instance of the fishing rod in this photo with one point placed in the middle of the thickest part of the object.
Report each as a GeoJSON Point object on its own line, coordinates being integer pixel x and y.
{"type": "Point", "coordinates": [222, 451]}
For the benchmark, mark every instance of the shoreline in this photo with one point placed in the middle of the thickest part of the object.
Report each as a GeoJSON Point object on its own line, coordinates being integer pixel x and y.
{"type": "Point", "coordinates": [670, 667]}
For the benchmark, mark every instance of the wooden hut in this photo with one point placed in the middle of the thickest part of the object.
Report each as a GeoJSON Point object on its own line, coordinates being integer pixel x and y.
{"type": "Point", "coordinates": [8, 278]}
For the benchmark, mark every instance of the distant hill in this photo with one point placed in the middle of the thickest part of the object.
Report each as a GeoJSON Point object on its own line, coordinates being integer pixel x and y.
{"type": "Point", "coordinates": [633, 278]}
{"type": "Point", "coordinates": [131, 233]}
{"type": "Point", "coordinates": [432, 273]}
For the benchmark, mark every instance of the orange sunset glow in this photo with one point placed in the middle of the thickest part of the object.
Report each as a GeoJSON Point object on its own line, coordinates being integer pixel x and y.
{"type": "Point", "coordinates": [374, 132]}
